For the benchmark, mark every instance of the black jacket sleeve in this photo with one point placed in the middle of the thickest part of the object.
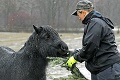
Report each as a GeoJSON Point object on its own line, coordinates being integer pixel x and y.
{"type": "Point", "coordinates": [91, 42]}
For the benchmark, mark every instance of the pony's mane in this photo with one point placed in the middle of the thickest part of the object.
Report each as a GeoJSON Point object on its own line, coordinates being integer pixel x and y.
{"type": "Point", "coordinates": [49, 29]}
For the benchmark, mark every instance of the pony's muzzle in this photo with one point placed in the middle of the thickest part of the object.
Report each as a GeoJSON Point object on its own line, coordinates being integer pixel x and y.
{"type": "Point", "coordinates": [63, 47]}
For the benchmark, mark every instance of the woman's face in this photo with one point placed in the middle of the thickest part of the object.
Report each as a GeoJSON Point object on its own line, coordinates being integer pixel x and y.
{"type": "Point", "coordinates": [81, 14]}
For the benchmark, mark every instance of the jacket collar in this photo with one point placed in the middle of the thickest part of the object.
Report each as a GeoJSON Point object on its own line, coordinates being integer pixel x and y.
{"type": "Point", "coordinates": [92, 14]}
{"type": "Point", "coordinates": [88, 17]}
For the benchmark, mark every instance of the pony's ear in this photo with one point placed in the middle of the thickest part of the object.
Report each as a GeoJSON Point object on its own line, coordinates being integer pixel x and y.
{"type": "Point", "coordinates": [37, 30]}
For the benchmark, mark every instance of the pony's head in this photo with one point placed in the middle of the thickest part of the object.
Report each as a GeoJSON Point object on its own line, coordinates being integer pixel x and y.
{"type": "Point", "coordinates": [47, 42]}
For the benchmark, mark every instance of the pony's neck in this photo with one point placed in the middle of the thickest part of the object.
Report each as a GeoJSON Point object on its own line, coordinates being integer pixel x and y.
{"type": "Point", "coordinates": [35, 63]}
{"type": "Point", "coordinates": [30, 50]}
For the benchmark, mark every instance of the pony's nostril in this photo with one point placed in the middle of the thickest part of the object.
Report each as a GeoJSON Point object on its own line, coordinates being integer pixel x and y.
{"type": "Point", "coordinates": [64, 48]}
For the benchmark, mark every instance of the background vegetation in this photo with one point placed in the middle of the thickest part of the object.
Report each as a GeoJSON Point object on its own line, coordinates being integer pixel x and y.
{"type": "Point", "coordinates": [19, 15]}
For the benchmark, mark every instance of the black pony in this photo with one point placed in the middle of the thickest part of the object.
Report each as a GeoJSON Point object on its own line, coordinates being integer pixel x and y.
{"type": "Point", "coordinates": [30, 62]}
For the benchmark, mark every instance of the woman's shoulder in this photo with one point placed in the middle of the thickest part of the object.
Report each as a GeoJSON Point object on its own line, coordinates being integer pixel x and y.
{"type": "Point", "coordinates": [98, 21]}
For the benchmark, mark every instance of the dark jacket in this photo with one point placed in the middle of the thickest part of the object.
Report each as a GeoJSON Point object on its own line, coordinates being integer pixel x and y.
{"type": "Point", "coordinates": [99, 49]}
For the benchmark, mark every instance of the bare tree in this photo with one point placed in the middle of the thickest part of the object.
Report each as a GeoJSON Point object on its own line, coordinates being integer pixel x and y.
{"type": "Point", "coordinates": [56, 13]}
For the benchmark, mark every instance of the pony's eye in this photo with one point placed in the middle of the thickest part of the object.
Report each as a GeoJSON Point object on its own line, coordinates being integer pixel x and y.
{"type": "Point", "coordinates": [47, 36]}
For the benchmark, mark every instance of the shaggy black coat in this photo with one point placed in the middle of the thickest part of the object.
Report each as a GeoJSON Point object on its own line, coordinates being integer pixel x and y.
{"type": "Point", "coordinates": [30, 62]}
